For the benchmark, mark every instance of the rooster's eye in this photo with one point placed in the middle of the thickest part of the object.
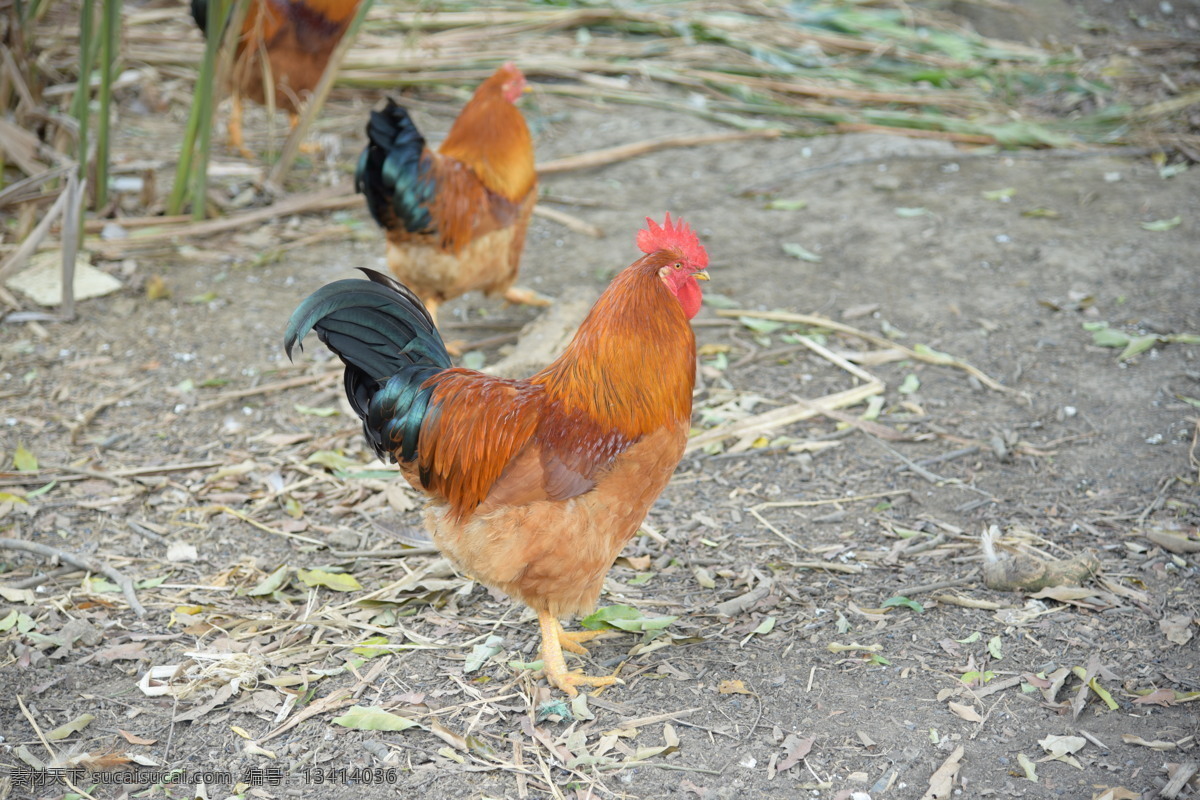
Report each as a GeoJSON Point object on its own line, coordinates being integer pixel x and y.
{"type": "Point", "coordinates": [678, 266]}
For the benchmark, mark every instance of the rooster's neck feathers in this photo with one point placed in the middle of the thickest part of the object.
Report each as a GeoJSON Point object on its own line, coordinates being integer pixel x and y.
{"type": "Point", "coordinates": [491, 137]}
{"type": "Point", "coordinates": [631, 366]}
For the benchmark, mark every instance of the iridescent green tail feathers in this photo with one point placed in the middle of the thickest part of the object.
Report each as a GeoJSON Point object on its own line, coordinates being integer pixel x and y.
{"type": "Point", "coordinates": [390, 346]}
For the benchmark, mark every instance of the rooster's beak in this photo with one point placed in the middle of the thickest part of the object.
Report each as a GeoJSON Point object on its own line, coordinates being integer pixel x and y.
{"type": "Point", "coordinates": [700, 276]}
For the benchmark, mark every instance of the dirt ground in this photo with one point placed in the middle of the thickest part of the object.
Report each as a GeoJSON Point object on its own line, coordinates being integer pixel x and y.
{"type": "Point", "coordinates": [188, 453]}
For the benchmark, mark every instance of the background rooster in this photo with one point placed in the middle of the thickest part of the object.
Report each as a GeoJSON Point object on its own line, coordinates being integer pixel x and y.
{"type": "Point", "coordinates": [455, 218]}
{"type": "Point", "coordinates": [534, 485]}
{"type": "Point", "coordinates": [297, 36]}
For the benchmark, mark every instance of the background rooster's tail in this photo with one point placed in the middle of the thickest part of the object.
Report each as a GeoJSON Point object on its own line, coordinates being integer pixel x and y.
{"type": "Point", "coordinates": [385, 337]}
{"type": "Point", "coordinates": [391, 173]}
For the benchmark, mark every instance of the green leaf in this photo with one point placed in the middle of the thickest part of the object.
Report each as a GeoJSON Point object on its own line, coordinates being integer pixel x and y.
{"type": "Point", "coordinates": [367, 648]}
{"type": "Point", "coordinates": [625, 618]}
{"type": "Point", "coordinates": [796, 250]}
{"type": "Point", "coordinates": [787, 205]}
{"type": "Point", "coordinates": [1039, 212]}
{"type": "Point", "coordinates": [974, 637]}
{"type": "Point", "coordinates": [9, 497]}
{"type": "Point", "coordinates": [1110, 337]}
{"type": "Point", "coordinates": [1000, 194]}
{"type": "Point", "coordinates": [1191, 401]}
{"type": "Point", "coordinates": [74, 726]}
{"type": "Point", "coordinates": [1103, 694]}
{"type": "Point", "coordinates": [272, 583]}
{"type": "Point", "coordinates": [24, 460]}
{"type": "Point", "coordinates": [718, 300]}
{"type": "Point", "coordinates": [331, 459]}
{"type": "Point", "coordinates": [994, 649]}
{"type": "Point", "coordinates": [934, 355]}
{"type": "Point", "coordinates": [337, 581]}
{"type": "Point", "coordinates": [41, 490]}
{"type": "Point", "coordinates": [909, 385]}
{"type": "Point", "coordinates": [1162, 224]}
{"type": "Point", "coordinates": [474, 359]}
{"type": "Point", "coordinates": [760, 325]}
{"type": "Point", "coordinates": [765, 627]}
{"type": "Point", "coordinates": [8, 622]}
{"type": "Point", "coordinates": [1138, 344]}
{"type": "Point", "coordinates": [530, 665]}
{"type": "Point", "coordinates": [327, 411]}
{"type": "Point", "coordinates": [480, 653]}
{"type": "Point", "coordinates": [641, 579]}
{"type": "Point", "coordinates": [200, 299]}
{"type": "Point", "coordinates": [373, 718]}
{"type": "Point", "coordinates": [901, 600]}
{"type": "Point", "coordinates": [366, 474]}
{"type": "Point", "coordinates": [908, 213]}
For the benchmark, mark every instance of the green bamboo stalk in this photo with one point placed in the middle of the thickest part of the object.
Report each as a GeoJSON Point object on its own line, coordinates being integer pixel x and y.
{"type": "Point", "coordinates": [291, 147]}
{"type": "Point", "coordinates": [205, 89]}
{"type": "Point", "coordinates": [110, 33]}
{"type": "Point", "coordinates": [184, 168]}
{"type": "Point", "coordinates": [83, 91]}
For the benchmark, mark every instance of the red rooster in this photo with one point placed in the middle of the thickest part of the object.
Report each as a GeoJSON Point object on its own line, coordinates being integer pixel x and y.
{"type": "Point", "coordinates": [456, 218]}
{"type": "Point", "coordinates": [534, 485]}
{"type": "Point", "coordinates": [297, 38]}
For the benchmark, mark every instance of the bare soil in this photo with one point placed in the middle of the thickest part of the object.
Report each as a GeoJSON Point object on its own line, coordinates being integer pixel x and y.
{"type": "Point", "coordinates": [209, 463]}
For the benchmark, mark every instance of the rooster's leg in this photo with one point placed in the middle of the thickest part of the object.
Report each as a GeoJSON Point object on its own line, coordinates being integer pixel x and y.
{"type": "Point", "coordinates": [235, 127]}
{"type": "Point", "coordinates": [552, 658]}
{"type": "Point", "coordinates": [455, 347]}
{"type": "Point", "coordinates": [307, 148]}
{"type": "Point", "coordinates": [525, 297]}
{"type": "Point", "coordinates": [571, 641]}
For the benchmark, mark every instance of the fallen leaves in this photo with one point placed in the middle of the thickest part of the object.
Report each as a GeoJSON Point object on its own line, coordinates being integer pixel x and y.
{"type": "Point", "coordinates": [1061, 748]}
{"type": "Point", "coordinates": [1177, 628]}
{"type": "Point", "coordinates": [1157, 744]}
{"type": "Point", "coordinates": [373, 718]}
{"type": "Point", "coordinates": [941, 783]}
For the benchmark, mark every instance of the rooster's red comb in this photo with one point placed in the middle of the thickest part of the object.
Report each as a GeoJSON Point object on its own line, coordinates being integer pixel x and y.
{"type": "Point", "coordinates": [655, 237]}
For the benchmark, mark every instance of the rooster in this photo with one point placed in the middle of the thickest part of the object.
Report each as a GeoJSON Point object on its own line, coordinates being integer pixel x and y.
{"type": "Point", "coordinates": [534, 485]}
{"type": "Point", "coordinates": [456, 218]}
{"type": "Point", "coordinates": [297, 37]}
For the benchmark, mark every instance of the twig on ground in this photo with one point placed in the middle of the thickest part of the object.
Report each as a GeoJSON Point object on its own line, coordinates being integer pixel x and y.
{"type": "Point", "coordinates": [266, 388]}
{"type": "Point", "coordinates": [80, 562]}
{"type": "Point", "coordinates": [86, 418]}
{"type": "Point", "coordinates": [928, 357]}
{"type": "Point", "coordinates": [611, 155]}
{"type": "Point", "coordinates": [568, 221]}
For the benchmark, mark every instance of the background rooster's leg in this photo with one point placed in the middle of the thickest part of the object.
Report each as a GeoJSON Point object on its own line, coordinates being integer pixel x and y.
{"type": "Point", "coordinates": [570, 641]}
{"type": "Point", "coordinates": [525, 297]}
{"type": "Point", "coordinates": [552, 659]}
{"type": "Point", "coordinates": [455, 347]}
{"type": "Point", "coordinates": [236, 141]}
{"type": "Point", "coordinates": [305, 147]}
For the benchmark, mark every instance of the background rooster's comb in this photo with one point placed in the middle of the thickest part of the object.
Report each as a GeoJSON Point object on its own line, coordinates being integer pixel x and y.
{"type": "Point", "coordinates": [655, 237]}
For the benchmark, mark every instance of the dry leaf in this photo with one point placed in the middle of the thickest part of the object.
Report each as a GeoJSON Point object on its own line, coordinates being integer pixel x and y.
{"type": "Point", "coordinates": [1160, 697]}
{"type": "Point", "coordinates": [1157, 744]}
{"type": "Point", "coordinates": [1176, 628]}
{"type": "Point", "coordinates": [797, 749]}
{"type": "Point", "coordinates": [181, 551]}
{"type": "Point", "coordinates": [1059, 748]}
{"type": "Point", "coordinates": [941, 783]}
{"type": "Point", "coordinates": [733, 687]}
{"type": "Point", "coordinates": [1117, 793]}
{"type": "Point", "coordinates": [965, 712]}
{"type": "Point", "coordinates": [133, 738]}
